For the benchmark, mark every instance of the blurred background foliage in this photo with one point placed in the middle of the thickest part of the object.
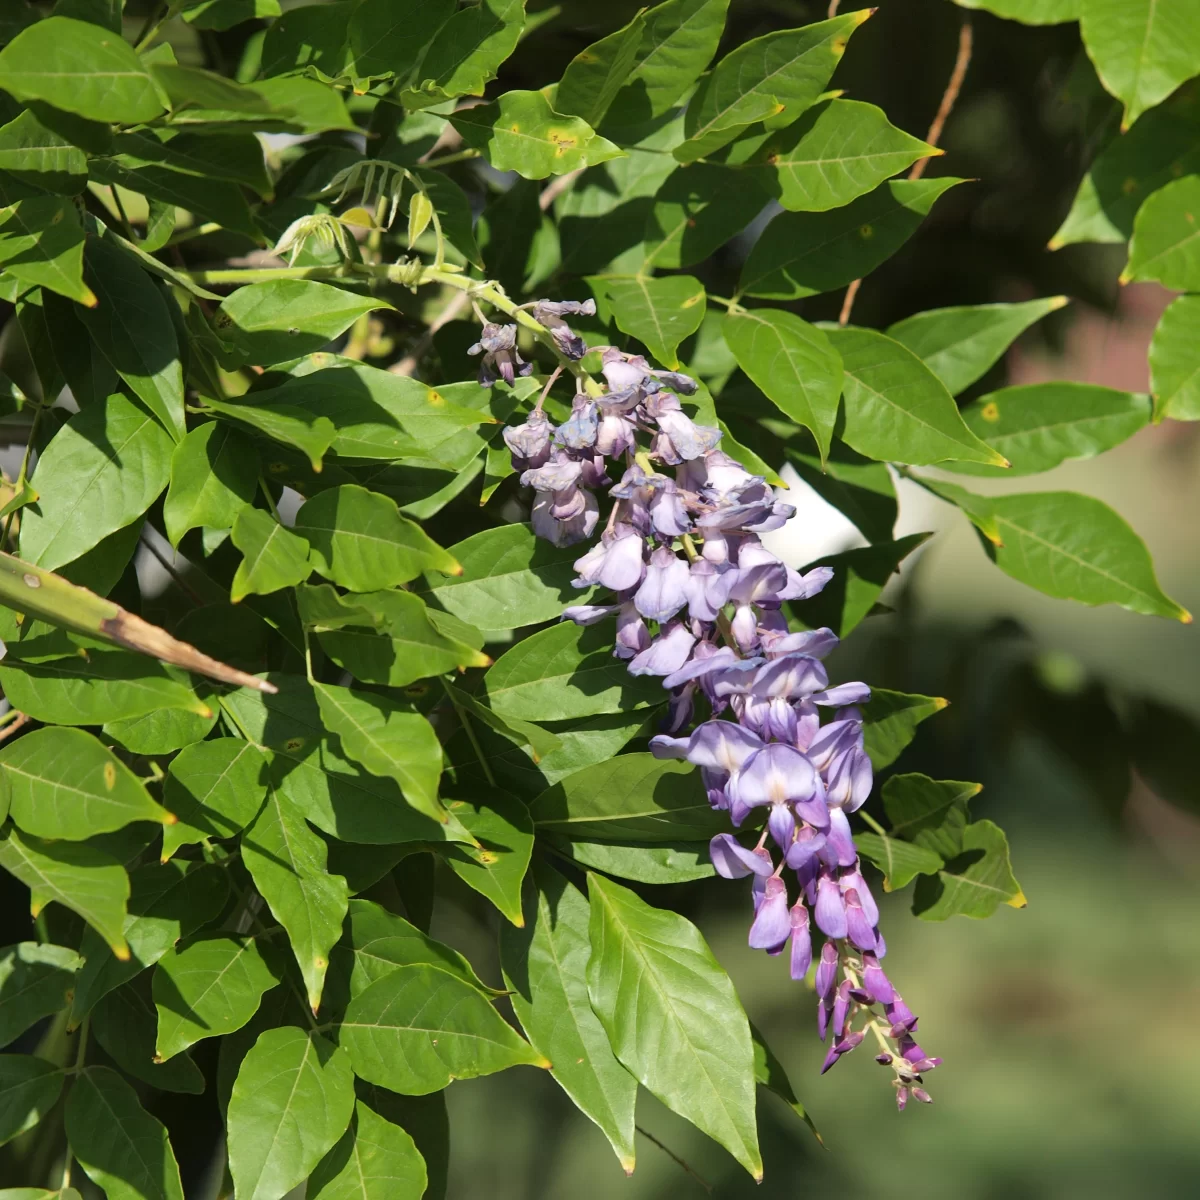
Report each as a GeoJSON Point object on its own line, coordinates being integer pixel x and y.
{"type": "Point", "coordinates": [1068, 1029]}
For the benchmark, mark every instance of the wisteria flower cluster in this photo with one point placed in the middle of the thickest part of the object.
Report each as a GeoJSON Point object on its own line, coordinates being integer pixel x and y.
{"type": "Point", "coordinates": [698, 601]}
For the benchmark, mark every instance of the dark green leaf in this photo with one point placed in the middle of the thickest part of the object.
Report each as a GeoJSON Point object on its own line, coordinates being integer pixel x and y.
{"type": "Point", "coordinates": [35, 981]}
{"type": "Point", "coordinates": [974, 883]}
{"type": "Point", "coordinates": [929, 812]}
{"type": "Point", "coordinates": [29, 1088]}
{"type": "Point", "coordinates": [596, 74]}
{"type": "Point", "coordinates": [161, 731]}
{"type": "Point", "coordinates": [901, 862]}
{"type": "Point", "coordinates": [214, 475]}
{"type": "Point", "coordinates": [545, 966]}
{"type": "Point", "coordinates": [792, 362]}
{"type": "Point", "coordinates": [82, 68]}
{"type": "Point", "coordinates": [386, 41]}
{"type": "Point", "coordinates": [959, 345]}
{"type": "Point", "coordinates": [496, 867]}
{"type": "Point", "coordinates": [521, 132]}
{"type": "Point", "coordinates": [669, 862]}
{"type": "Point", "coordinates": [803, 254]}
{"type": "Point", "coordinates": [288, 863]}
{"type": "Point", "coordinates": [39, 156]}
{"type": "Point", "coordinates": [890, 722]}
{"type": "Point", "coordinates": [81, 878]}
{"type": "Point", "coordinates": [660, 313]}
{"type": "Point", "coordinates": [1067, 545]}
{"type": "Point", "coordinates": [214, 788]}
{"type": "Point", "coordinates": [210, 987]}
{"type": "Point", "coordinates": [309, 433]}
{"type": "Point", "coordinates": [773, 78]}
{"type": "Point", "coordinates": [123, 1149]}
{"type": "Point", "coordinates": [769, 1073]}
{"type": "Point", "coordinates": [101, 471]}
{"type": "Point", "coordinates": [861, 490]}
{"type": "Point", "coordinates": [41, 245]}
{"type": "Point", "coordinates": [292, 1101]}
{"type": "Point", "coordinates": [375, 1160]}
{"type": "Point", "coordinates": [672, 1016]}
{"type": "Point", "coordinates": [222, 14]}
{"type": "Point", "coordinates": [419, 1028]}
{"type": "Point", "coordinates": [124, 1023]}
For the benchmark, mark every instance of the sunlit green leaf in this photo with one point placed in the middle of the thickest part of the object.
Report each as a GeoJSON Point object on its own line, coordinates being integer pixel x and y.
{"type": "Point", "coordinates": [974, 883]}
{"type": "Point", "coordinates": [274, 557]}
{"type": "Point", "coordinates": [496, 867]}
{"type": "Point", "coordinates": [658, 312]}
{"type": "Point", "coordinates": [375, 1160]}
{"type": "Point", "coordinates": [214, 789]}
{"type": "Point", "coordinates": [1166, 240]}
{"type": "Point", "coordinates": [214, 475]}
{"type": "Point", "coordinates": [1175, 361]}
{"type": "Point", "coordinates": [35, 980]}
{"type": "Point", "coordinates": [597, 73]}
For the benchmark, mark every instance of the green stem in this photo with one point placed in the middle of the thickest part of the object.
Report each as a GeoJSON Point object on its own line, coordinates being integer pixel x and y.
{"type": "Point", "coordinates": [151, 28]}
{"type": "Point", "coordinates": [193, 231]}
{"type": "Point", "coordinates": [444, 160]}
{"type": "Point", "coordinates": [37, 416]}
{"type": "Point", "coordinates": [874, 824]}
{"type": "Point", "coordinates": [465, 721]}
{"type": "Point", "coordinates": [266, 274]}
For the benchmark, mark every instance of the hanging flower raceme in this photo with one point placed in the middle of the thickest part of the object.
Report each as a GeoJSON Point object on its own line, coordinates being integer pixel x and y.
{"type": "Point", "coordinates": [698, 601]}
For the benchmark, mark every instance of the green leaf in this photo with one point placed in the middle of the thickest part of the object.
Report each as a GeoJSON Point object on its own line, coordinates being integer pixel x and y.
{"type": "Point", "coordinates": [1142, 49]}
{"type": "Point", "coordinates": [897, 409]}
{"type": "Point", "coordinates": [161, 731]}
{"type": "Point", "coordinates": [376, 414]}
{"type": "Point", "coordinates": [132, 326]}
{"type": "Point", "coordinates": [660, 313]}
{"type": "Point", "coordinates": [931, 813]}
{"type": "Point", "coordinates": [309, 433]}
{"type": "Point", "coordinates": [313, 35]}
{"type": "Point", "coordinates": [890, 721]}
{"type": "Point", "coordinates": [309, 106]}
{"type": "Point", "coordinates": [81, 68]}
{"type": "Point", "coordinates": [449, 200]}
{"type": "Point", "coordinates": [1069, 546]}
{"type": "Point", "coordinates": [232, 155]}
{"type": "Point", "coordinates": [41, 245]}
{"type": "Point", "coordinates": [959, 345]}
{"type": "Point", "coordinates": [386, 41]}
{"type": "Point", "coordinates": [109, 684]}
{"type": "Point", "coordinates": [210, 987]}
{"type": "Point", "coordinates": [101, 471]}
{"type": "Point", "coordinates": [972, 884]}
{"type": "Point", "coordinates": [81, 878]}
{"type": "Point", "coordinates": [123, 1149]}
{"type": "Point", "coordinates": [419, 1028]}
{"type": "Point", "coordinates": [1029, 12]}
{"type": "Point", "coordinates": [291, 1103]}
{"type": "Point", "coordinates": [124, 1023]}
{"type": "Point", "coordinates": [389, 740]}
{"type": "Point", "coordinates": [496, 867]}
{"type": "Point", "coordinates": [274, 557]}
{"type": "Point", "coordinates": [215, 789]}
{"type": "Point", "coordinates": [861, 490]}
{"type": "Point", "coordinates": [769, 1073]}
{"type": "Point", "coordinates": [375, 1160]}
{"type": "Point", "coordinates": [900, 862]}
{"type": "Point", "coordinates": [214, 475]}
{"type": "Point", "coordinates": [1039, 425]}
{"type": "Point", "coordinates": [167, 901]}
{"type": "Point", "coordinates": [859, 576]}
{"type": "Point", "coordinates": [29, 1088]}
{"type": "Point", "coordinates": [773, 78]}
{"type": "Point", "coordinates": [541, 742]}
{"type": "Point", "coordinates": [678, 42]}
{"type": "Point", "coordinates": [1166, 240]}
{"type": "Point", "coordinates": [66, 784]}
{"type": "Point", "coordinates": [311, 772]}
{"type": "Point", "coordinates": [36, 155]}
{"type": "Point", "coordinates": [288, 863]}
{"type": "Point", "coordinates": [804, 254]}
{"type": "Point", "coordinates": [276, 321]}
{"type": "Point", "coordinates": [398, 642]}
{"type": "Point", "coordinates": [672, 1016]}
{"type": "Point", "coordinates": [564, 672]}
{"type": "Point", "coordinates": [596, 74]}
{"type": "Point", "coordinates": [223, 14]}
{"type": "Point", "coordinates": [1162, 146]}
{"type": "Point", "coordinates": [381, 941]}
{"type": "Point", "coordinates": [1175, 361]}
{"type": "Point", "coordinates": [663, 862]}
{"type": "Point", "coordinates": [634, 798]}
{"type": "Point", "coordinates": [545, 968]}
{"type": "Point", "coordinates": [521, 132]}
{"type": "Point", "coordinates": [35, 981]}
{"type": "Point", "coordinates": [509, 578]}
{"type": "Point", "coordinates": [793, 363]}
{"type": "Point", "coordinates": [836, 152]}
{"type": "Point", "coordinates": [466, 52]}
{"type": "Point", "coordinates": [359, 540]}
{"type": "Point", "coordinates": [695, 212]}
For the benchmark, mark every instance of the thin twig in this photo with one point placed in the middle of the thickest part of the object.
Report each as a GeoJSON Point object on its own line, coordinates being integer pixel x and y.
{"type": "Point", "coordinates": [833, 7]}
{"type": "Point", "coordinates": [962, 61]}
{"type": "Point", "coordinates": [671, 1154]}
{"type": "Point", "coordinates": [13, 726]}
{"type": "Point", "coordinates": [408, 364]}
{"type": "Point", "coordinates": [556, 187]}
{"type": "Point", "coordinates": [171, 570]}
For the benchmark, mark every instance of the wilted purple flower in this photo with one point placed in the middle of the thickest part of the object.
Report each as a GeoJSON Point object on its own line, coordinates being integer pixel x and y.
{"type": "Point", "coordinates": [501, 359]}
{"type": "Point", "coordinates": [530, 442]}
{"type": "Point", "coordinates": [582, 429]}
{"type": "Point", "coordinates": [551, 312]}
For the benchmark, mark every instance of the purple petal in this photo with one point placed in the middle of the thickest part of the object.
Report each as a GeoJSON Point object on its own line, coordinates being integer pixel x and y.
{"type": "Point", "coordinates": [664, 590]}
{"type": "Point", "coordinates": [875, 981]}
{"type": "Point", "coordinates": [791, 676]}
{"type": "Point", "coordinates": [722, 745]}
{"type": "Point", "coordinates": [839, 848]}
{"type": "Point", "coordinates": [830, 909]}
{"type": "Point", "coordinates": [666, 654]}
{"type": "Point", "coordinates": [624, 564]}
{"type": "Point", "coordinates": [804, 849]}
{"type": "Point", "coordinates": [801, 958]}
{"type": "Point", "coordinates": [816, 643]}
{"type": "Point", "coordinates": [588, 614]}
{"type": "Point", "coordinates": [662, 746]}
{"type": "Point", "coordinates": [773, 923]}
{"type": "Point", "coordinates": [827, 971]}
{"type": "Point", "coordinates": [775, 775]}
{"type": "Point", "coordinates": [858, 928]}
{"type": "Point", "coordinates": [781, 824]}
{"type": "Point", "coordinates": [844, 693]}
{"type": "Point", "coordinates": [712, 660]}
{"type": "Point", "coordinates": [733, 861]}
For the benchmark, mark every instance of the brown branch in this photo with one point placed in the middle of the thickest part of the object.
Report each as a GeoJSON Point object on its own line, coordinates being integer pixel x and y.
{"type": "Point", "coordinates": [12, 727]}
{"type": "Point", "coordinates": [962, 61]}
{"type": "Point", "coordinates": [671, 1154]}
{"type": "Point", "coordinates": [833, 7]}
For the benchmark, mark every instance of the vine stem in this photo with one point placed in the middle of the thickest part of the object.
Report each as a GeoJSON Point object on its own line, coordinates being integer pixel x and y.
{"type": "Point", "coordinates": [469, 730]}
{"type": "Point", "coordinates": [962, 60]}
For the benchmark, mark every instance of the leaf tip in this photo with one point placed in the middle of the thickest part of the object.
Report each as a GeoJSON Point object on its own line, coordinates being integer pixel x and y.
{"type": "Point", "coordinates": [543, 1062]}
{"type": "Point", "coordinates": [169, 818]}
{"type": "Point", "coordinates": [1185, 617]}
{"type": "Point", "coordinates": [1055, 243]}
{"type": "Point", "coordinates": [121, 952]}
{"type": "Point", "coordinates": [1057, 302]}
{"type": "Point", "coordinates": [89, 299]}
{"type": "Point", "coordinates": [863, 14]}
{"type": "Point", "coordinates": [1017, 901]}
{"type": "Point", "coordinates": [940, 702]}
{"type": "Point", "coordinates": [1125, 277]}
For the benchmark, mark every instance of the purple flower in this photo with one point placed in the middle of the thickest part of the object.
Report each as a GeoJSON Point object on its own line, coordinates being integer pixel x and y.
{"type": "Point", "coordinates": [679, 438]}
{"type": "Point", "coordinates": [632, 634]}
{"type": "Point", "coordinates": [801, 941]}
{"type": "Point", "coordinates": [581, 430]}
{"type": "Point", "coordinates": [780, 775]}
{"type": "Point", "coordinates": [530, 442]}
{"type": "Point", "coordinates": [830, 908]}
{"type": "Point", "coordinates": [617, 562]}
{"type": "Point", "coordinates": [858, 928]}
{"type": "Point", "coordinates": [667, 653]}
{"type": "Point", "coordinates": [733, 861]}
{"type": "Point", "coordinates": [501, 359]}
{"type": "Point", "coordinates": [551, 312]}
{"type": "Point", "coordinates": [875, 981]}
{"type": "Point", "coordinates": [773, 922]}
{"type": "Point", "coordinates": [664, 590]}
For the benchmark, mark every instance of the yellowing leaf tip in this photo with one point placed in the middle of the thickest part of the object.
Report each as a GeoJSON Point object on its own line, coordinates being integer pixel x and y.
{"type": "Point", "coordinates": [121, 952]}
{"type": "Point", "coordinates": [1017, 901]}
{"type": "Point", "coordinates": [1125, 277]}
{"type": "Point", "coordinates": [940, 702]}
{"type": "Point", "coordinates": [169, 818]}
{"type": "Point", "coordinates": [1057, 302]}
{"type": "Point", "coordinates": [1185, 617]}
{"type": "Point", "coordinates": [1055, 243]}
